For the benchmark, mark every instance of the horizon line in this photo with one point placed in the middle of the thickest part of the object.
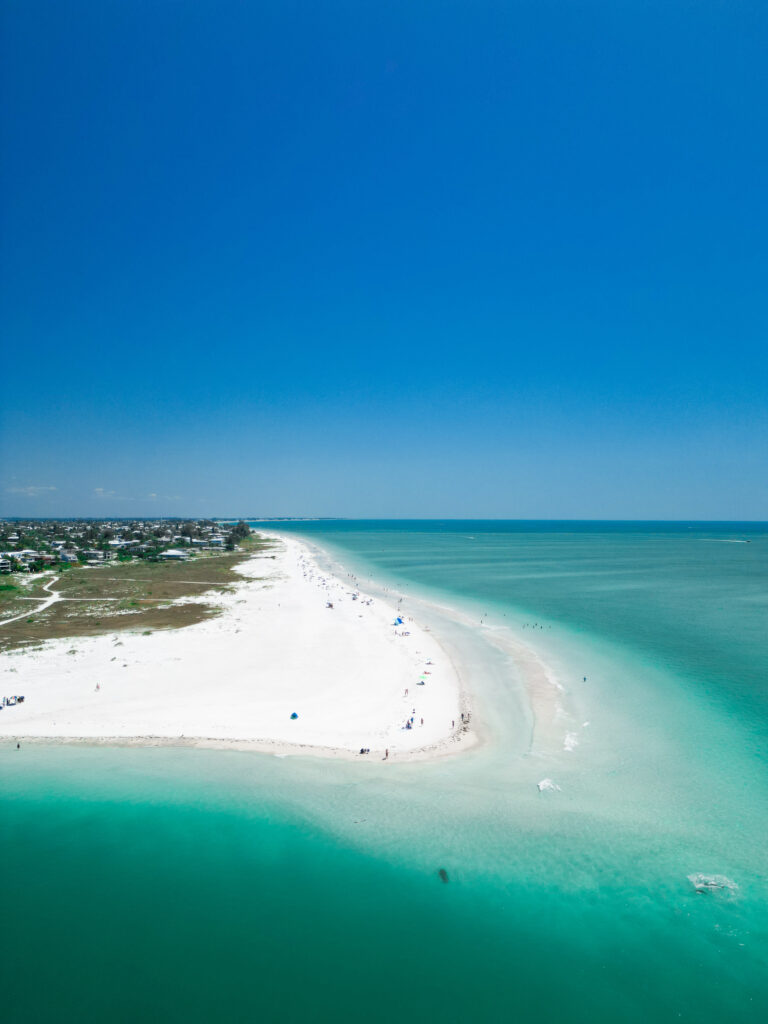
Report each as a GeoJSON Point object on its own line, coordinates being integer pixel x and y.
{"type": "Point", "coordinates": [382, 518]}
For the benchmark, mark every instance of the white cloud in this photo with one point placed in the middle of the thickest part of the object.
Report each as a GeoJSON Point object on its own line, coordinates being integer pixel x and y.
{"type": "Point", "coordinates": [102, 492]}
{"type": "Point", "coordinates": [32, 491]}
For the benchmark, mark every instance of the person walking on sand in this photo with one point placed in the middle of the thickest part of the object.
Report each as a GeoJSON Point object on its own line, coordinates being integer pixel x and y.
{"type": "Point", "coordinates": [386, 754]}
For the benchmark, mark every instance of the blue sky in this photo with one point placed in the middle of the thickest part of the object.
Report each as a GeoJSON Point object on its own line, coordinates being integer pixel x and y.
{"type": "Point", "coordinates": [487, 259]}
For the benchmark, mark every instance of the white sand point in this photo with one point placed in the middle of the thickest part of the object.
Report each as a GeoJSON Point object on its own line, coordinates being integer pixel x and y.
{"type": "Point", "coordinates": [235, 680]}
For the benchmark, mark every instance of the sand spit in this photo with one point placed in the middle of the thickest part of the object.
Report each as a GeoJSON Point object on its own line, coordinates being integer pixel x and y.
{"type": "Point", "coordinates": [291, 640]}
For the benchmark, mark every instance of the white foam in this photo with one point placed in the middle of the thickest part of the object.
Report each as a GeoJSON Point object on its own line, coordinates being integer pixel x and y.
{"type": "Point", "coordinates": [571, 741]}
{"type": "Point", "coordinates": [548, 786]}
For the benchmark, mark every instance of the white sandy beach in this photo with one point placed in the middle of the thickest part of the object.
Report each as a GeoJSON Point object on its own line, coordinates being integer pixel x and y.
{"type": "Point", "coordinates": [353, 676]}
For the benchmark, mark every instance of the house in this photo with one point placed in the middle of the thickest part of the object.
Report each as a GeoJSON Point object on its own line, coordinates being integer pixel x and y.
{"type": "Point", "coordinates": [174, 554]}
{"type": "Point", "coordinates": [5, 565]}
{"type": "Point", "coordinates": [92, 555]}
{"type": "Point", "coordinates": [68, 556]}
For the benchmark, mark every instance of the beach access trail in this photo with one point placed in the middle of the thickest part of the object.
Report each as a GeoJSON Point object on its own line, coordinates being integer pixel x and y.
{"type": "Point", "coordinates": [297, 661]}
{"type": "Point", "coordinates": [44, 602]}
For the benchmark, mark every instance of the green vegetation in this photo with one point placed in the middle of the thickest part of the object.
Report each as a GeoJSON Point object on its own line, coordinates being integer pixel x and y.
{"type": "Point", "coordinates": [32, 546]}
{"type": "Point", "coordinates": [135, 595]}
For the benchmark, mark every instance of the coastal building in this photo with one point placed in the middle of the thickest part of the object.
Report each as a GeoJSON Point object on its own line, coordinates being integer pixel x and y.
{"type": "Point", "coordinates": [174, 555]}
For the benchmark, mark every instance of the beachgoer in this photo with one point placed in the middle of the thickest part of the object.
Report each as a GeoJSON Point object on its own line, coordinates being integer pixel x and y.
{"type": "Point", "coordinates": [386, 753]}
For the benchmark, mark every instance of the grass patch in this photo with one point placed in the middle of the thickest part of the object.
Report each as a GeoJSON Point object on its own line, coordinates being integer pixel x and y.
{"type": "Point", "coordinates": [136, 596]}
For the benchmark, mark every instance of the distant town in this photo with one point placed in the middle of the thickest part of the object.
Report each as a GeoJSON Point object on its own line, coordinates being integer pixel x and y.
{"type": "Point", "coordinates": [35, 545]}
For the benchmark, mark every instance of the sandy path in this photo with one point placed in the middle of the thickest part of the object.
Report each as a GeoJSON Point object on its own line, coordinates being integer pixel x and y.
{"type": "Point", "coordinates": [46, 603]}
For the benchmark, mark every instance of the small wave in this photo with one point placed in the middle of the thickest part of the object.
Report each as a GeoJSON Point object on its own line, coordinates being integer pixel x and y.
{"type": "Point", "coordinates": [712, 883]}
{"type": "Point", "coordinates": [548, 786]}
{"type": "Point", "coordinates": [571, 741]}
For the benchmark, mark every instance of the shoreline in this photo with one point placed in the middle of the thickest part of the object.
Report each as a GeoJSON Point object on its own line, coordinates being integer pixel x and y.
{"type": "Point", "coordinates": [435, 752]}
{"type": "Point", "coordinates": [519, 703]}
{"type": "Point", "coordinates": [543, 710]}
{"type": "Point", "coordinates": [363, 630]}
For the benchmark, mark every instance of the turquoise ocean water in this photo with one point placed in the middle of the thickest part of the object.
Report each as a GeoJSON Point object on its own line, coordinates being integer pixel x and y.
{"type": "Point", "coordinates": [197, 884]}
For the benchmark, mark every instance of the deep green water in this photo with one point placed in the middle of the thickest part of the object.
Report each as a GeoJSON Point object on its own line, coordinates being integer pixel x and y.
{"type": "Point", "coordinates": [189, 885]}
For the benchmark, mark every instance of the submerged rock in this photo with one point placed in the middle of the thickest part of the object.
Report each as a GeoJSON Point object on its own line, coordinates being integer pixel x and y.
{"type": "Point", "coordinates": [443, 875]}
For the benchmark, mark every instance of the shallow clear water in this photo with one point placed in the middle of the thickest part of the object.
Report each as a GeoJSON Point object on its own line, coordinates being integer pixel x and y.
{"type": "Point", "coordinates": [188, 884]}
